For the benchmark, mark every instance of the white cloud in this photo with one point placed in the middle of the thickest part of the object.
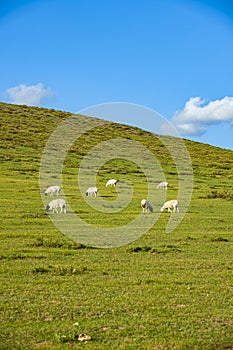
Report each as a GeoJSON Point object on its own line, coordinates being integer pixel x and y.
{"type": "Point", "coordinates": [196, 116]}
{"type": "Point", "coordinates": [31, 95]}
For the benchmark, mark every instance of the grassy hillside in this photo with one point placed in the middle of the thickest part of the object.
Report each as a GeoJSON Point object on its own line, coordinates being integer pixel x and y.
{"type": "Point", "coordinates": [161, 291]}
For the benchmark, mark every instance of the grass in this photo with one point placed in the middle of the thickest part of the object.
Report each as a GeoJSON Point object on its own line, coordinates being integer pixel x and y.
{"type": "Point", "coordinates": [162, 291]}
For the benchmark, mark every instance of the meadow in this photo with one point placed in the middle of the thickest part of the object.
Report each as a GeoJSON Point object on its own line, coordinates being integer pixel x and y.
{"type": "Point", "coordinates": [161, 291]}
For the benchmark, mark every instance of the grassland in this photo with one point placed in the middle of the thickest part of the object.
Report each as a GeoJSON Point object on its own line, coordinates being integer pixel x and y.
{"type": "Point", "coordinates": [162, 291]}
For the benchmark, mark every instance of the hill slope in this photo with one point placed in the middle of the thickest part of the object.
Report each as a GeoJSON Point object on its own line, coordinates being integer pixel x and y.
{"type": "Point", "coordinates": [163, 290]}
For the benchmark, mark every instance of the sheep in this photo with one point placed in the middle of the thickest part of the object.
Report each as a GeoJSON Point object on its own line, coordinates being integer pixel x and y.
{"type": "Point", "coordinates": [162, 185]}
{"type": "Point", "coordinates": [172, 204]}
{"type": "Point", "coordinates": [92, 191]}
{"type": "Point", "coordinates": [52, 190]}
{"type": "Point", "coordinates": [145, 204]}
{"type": "Point", "coordinates": [55, 204]}
{"type": "Point", "coordinates": [111, 183]}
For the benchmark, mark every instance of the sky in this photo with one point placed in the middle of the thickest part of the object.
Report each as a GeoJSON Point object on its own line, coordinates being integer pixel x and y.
{"type": "Point", "coordinates": [170, 56]}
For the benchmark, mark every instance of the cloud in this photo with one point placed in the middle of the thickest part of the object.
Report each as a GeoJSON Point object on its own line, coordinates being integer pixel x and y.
{"type": "Point", "coordinates": [196, 116]}
{"type": "Point", "coordinates": [31, 95]}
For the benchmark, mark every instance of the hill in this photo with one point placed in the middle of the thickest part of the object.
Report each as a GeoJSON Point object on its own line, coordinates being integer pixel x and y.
{"type": "Point", "coordinates": [158, 290]}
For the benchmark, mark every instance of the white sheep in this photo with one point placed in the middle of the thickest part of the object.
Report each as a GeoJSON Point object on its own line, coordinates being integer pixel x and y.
{"type": "Point", "coordinates": [111, 183]}
{"type": "Point", "coordinates": [172, 204]}
{"type": "Point", "coordinates": [92, 191]}
{"type": "Point", "coordinates": [145, 204]}
{"type": "Point", "coordinates": [162, 185]}
{"type": "Point", "coordinates": [55, 204]}
{"type": "Point", "coordinates": [52, 190]}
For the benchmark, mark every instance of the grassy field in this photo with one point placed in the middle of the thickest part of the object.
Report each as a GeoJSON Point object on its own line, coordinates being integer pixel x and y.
{"type": "Point", "coordinates": [161, 291]}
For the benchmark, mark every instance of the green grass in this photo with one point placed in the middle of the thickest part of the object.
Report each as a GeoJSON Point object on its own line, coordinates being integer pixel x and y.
{"type": "Point", "coordinates": [162, 291]}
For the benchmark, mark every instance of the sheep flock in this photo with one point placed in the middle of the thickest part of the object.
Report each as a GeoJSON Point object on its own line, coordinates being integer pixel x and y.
{"type": "Point", "coordinates": [59, 203]}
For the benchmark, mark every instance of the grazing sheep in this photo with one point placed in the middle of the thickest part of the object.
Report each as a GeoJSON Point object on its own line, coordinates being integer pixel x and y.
{"type": "Point", "coordinates": [55, 204]}
{"type": "Point", "coordinates": [52, 190]}
{"type": "Point", "coordinates": [173, 204]}
{"type": "Point", "coordinates": [162, 185]}
{"type": "Point", "coordinates": [145, 204]}
{"type": "Point", "coordinates": [111, 183]}
{"type": "Point", "coordinates": [92, 191]}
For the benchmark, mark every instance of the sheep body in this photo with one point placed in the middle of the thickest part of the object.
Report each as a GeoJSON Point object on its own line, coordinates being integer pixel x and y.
{"type": "Point", "coordinates": [55, 204]}
{"type": "Point", "coordinates": [169, 205]}
{"type": "Point", "coordinates": [145, 204]}
{"type": "Point", "coordinates": [92, 191]}
{"type": "Point", "coordinates": [52, 190]}
{"type": "Point", "coordinates": [162, 185]}
{"type": "Point", "coordinates": [111, 183]}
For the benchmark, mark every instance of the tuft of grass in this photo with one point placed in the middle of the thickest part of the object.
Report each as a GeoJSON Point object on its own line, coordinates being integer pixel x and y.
{"type": "Point", "coordinates": [219, 239]}
{"type": "Point", "coordinates": [49, 243]}
{"type": "Point", "coordinates": [160, 250]}
{"type": "Point", "coordinates": [221, 194]}
{"type": "Point", "coordinates": [139, 249]}
{"type": "Point", "coordinates": [60, 270]}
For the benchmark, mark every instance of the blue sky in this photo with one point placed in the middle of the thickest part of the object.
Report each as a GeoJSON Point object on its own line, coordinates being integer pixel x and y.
{"type": "Point", "coordinates": [172, 56]}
